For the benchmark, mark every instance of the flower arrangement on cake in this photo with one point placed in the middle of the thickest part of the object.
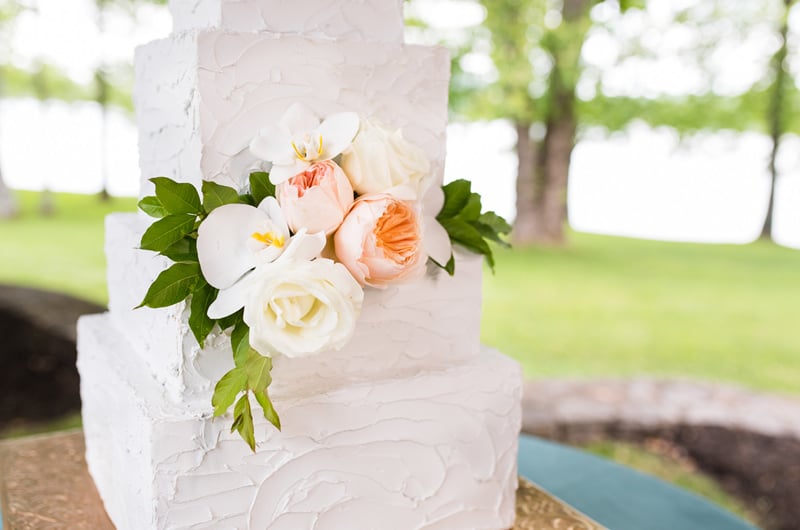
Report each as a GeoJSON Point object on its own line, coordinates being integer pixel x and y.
{"type": "Point", "coordinates": [282, 264]}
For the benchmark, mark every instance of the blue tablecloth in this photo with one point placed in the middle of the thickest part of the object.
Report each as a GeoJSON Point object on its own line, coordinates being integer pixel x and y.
{"type": "Point", "coordinates": [615, 496]}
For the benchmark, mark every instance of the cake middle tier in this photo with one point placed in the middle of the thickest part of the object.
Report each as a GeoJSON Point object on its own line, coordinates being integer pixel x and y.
{"type": "Point", "coordinates": [427, 324]}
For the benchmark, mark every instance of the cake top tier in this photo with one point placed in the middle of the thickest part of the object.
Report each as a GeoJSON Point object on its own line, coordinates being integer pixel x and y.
{"type": "Point", "coordinates": [361, 20]}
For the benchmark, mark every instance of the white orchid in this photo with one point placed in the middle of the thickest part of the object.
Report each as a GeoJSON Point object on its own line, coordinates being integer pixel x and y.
{"type": "Point", "coordinates": [235, 238]}
{"type": "Point", "coordinates": [300, 139]}
{"type": "Point", "coordinates": [435, 239]}
{"type": "Point", "coordinates": [301, 247]}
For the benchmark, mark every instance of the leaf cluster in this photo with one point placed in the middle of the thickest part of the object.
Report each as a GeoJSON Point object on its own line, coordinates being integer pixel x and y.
{"type": "Point", "coordinates": [179, 210]}
{"type": "Point", "coordinates": [250, 375]}
{"type": "Point", "coordinates": [467, 226]}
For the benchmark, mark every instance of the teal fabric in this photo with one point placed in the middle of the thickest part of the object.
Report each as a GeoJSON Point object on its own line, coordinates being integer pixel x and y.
{"type": "Point", "coordinates": [615, 496]}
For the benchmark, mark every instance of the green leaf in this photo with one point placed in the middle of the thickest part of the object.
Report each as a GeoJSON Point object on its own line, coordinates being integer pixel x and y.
{"type": "Point", "coordinates": [246, 198]}
{"type": "Point", "coordinates": [456, 196]}
{"type": "Point", "coordinates": [471, 210]}
{"type": "Point", "coordinates": [488, 233]}
{"type": "Point", "coordinates": [226, 390]}
{"type": "Point", "coordinates": [495, 222]}
{"type": "Point", "coordinates": [449, 267]}
{"type": "Point", "coordinates": [260, 186]}
{"type": "Point", "coordinates": [152, 207]}
{"type": "Point", "coordinates": [240, 343]}
{"type": "Point", "coordinates": [167, 231]}
{"type": "Point", "coordinates": [177, 197]}
{"type": "Point", "coordinates": [216, 195]}
{"type": "Point", "coordinates": [243, 421]}
{"type": "Point", "coordinates": [466, 235]}
{"type": "Point", "coordinates": [199, 322]}
{"type": "Point", "coordinates": [172, 285]}
{"type": "Point", "coordinates": [231, 320]}
{"type": "Point", "coordinates": [258, 368]}
{"type": "Point", "coordinates": [269, 410]}
{"type": "Point", "coordinates": [183, 250]}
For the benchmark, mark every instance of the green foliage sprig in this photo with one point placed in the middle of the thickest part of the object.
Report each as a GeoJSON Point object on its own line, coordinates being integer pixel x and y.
{"type": "Point", "coordinates": [179, 210]}
{"type": "Point", "coordinates": [465, 224]}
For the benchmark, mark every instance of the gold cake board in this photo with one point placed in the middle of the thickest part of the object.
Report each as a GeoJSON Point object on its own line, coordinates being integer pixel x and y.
{"type": "Point", "coordinates": [44, 484]}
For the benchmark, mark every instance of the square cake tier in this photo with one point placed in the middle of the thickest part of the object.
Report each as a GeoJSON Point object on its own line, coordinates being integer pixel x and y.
{"type": "Point", "coordinates": [201, 96]}
{"type": "Point", "coordinates": [436, 450]}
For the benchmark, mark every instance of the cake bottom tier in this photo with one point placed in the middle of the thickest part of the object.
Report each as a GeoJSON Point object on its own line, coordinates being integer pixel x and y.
{"type": "Point", "coordinates": [437, 450]}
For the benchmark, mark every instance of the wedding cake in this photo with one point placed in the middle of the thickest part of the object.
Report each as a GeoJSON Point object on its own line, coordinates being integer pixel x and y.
{"type": "Point", "coordinates": [409, 423]}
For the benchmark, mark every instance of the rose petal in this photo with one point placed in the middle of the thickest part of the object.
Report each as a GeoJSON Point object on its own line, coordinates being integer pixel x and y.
{"type": "Point", "coordinates": [299, 119]}
{"type": "Point", "coordinates": [436, 241]}
{"type": "Point", "coordinates": [338, 131]}
{"type": "Point", "coordinates": [273, 144]}
{"type": "Point", "coordinates": [282, 173]}
{"type": "Point", "coordinates": [232, 299]}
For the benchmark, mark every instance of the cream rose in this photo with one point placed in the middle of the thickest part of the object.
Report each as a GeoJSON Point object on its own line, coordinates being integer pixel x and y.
{"type": "Point", "coordinates": [381, 161]}
{"type": "Point", "coordinates": [380, 241]}
{"type": "Point", "coordinates": [317, 198]}
{"type": "Point", "coordinates": [302, 308]}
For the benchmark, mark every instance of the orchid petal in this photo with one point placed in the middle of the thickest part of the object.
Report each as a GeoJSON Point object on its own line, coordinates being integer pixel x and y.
{"type": "Point", "coordinates": [222, 241]}
{"type": "Point", "coordinates": [436, 241]}
{"type": "Point", "coordinates": [232, 299]}
{"type": "Point", "coordinates": [338, 131]}
{"type": "Point", "coordinates": [299, 119]}
{"type": "Point", "coordinates": [282, 173]}
{"type": "Point", "coordinates": [304, 246]}
{"type": "Point", "coordinates": [275, 213]}
{"type": "Point", "coordinates": [274, 144]}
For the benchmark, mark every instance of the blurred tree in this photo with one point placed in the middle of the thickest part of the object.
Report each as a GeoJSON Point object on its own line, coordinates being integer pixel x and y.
{"type": "Point", "coordinates": [535, 46]}
{"type": "Point", "coordinates": [104, 76]}
{"type": "Point", "coordinates": [8, 11]}
{"type": "Point", "coordinates": [536, 51]}
{"type": "Point", "coordinates": [777, 111]}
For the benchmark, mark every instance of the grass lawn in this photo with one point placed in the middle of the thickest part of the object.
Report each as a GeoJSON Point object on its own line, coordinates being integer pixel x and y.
{"type": "Point", "coordinates": [63, 252]}
{"type": "Point", "coordinates": [615, 306]}
{"type": "Point", "coordinates": [601, 306]}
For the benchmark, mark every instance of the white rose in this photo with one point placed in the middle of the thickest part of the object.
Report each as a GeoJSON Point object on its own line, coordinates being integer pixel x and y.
{"type": "Point", "coordinates": [379, 161]}
{"type": "Point", "coordinates": [299, 308]}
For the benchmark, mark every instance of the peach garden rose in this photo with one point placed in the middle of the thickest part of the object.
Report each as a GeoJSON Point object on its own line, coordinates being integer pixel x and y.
{"type": "Point", "coordinates": [380, 241]}
{"type": "Point", "coordinates": [317, 198]}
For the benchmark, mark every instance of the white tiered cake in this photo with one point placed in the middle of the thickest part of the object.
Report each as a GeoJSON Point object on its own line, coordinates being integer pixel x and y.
{"type": "Point", "coordinates": [411, 425]}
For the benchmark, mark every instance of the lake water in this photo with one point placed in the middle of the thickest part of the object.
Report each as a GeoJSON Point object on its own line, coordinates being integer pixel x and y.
{"type": "Point", "coordinates": [643, 183]}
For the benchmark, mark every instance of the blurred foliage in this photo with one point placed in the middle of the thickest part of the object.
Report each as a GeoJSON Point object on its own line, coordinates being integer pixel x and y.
{"type": "Point", "coordinates": [111, 83]}
{"type": "Point", "coordinates": [524, 48]}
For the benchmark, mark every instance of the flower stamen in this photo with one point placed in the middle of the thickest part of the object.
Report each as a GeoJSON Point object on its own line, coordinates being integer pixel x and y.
{"type": "Point", "coordinates": [269, 238]}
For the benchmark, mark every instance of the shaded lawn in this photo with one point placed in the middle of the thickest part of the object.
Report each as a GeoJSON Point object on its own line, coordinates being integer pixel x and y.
{"type": "Point", "coordinates": [63, 252]}
{"type": "Point", "coordinates": [614, 306]}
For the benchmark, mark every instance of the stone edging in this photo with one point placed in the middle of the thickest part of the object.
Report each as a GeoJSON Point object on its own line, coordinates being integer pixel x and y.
{"type": "Point", "coordinates": [550, 404]}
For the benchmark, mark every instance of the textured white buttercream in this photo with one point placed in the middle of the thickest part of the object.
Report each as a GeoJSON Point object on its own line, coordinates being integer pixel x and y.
{"type": "Point", "coordinates": [202, 96]}
{"type": "Point", "coordinates": [360, 20]}
{"type": "Point", "coordinates": [428, 324]}
{"type": "Point", "coordinates": [436, 450]}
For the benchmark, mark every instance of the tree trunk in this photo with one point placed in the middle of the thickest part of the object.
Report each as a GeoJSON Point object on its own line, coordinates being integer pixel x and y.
{"type": "Point", "coordinates": [544, 168]}
{"type": "Point", "coordinates": [8, 203]}
{"type": "Point", "coordinates": [775, 117]}
{"type": "Point", "coordinates": [526, 222]}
